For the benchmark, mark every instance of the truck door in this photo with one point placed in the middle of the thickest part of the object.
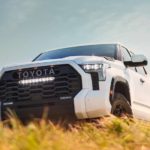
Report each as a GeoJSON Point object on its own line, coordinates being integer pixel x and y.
{"type": "Point", "coordinates": [144, 88]}
{"type": "Point", "coordinates": [139, 87]}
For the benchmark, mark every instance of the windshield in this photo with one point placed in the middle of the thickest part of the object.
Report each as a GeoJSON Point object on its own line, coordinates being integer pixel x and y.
{"type": "Point", "coordinates": [108, 50]}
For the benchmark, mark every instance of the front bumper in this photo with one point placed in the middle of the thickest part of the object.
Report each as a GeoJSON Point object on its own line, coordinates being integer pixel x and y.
{"type": "Point", "coordinates": [86, 104]}
{"type": "Point", "coordinates": [92, 104]}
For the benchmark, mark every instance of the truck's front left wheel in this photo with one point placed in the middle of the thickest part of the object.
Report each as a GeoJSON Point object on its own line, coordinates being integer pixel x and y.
{"type": "Point", "coordinates": [120, 106]}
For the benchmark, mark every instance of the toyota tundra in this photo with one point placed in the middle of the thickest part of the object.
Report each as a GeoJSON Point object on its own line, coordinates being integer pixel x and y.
{"type": "Point", "coordinates": [78, 82]}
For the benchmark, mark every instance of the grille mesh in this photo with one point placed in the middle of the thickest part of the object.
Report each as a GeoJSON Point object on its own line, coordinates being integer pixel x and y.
{"type": "Point", "coordinates": [67, 83]}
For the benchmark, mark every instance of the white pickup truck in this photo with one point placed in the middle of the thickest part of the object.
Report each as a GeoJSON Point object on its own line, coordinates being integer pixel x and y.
{"type": "Point", "coordinates": [78, 82]}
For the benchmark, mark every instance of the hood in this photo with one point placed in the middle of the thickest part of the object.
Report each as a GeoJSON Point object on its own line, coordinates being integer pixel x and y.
{"type": "Point", "coordinates": [85, 59]}
{"type": "Point", "coordinates": [67, 60]}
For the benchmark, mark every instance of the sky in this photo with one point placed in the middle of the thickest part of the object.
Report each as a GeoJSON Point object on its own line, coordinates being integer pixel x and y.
{"type": "Point", "coordinates": [29, 27]}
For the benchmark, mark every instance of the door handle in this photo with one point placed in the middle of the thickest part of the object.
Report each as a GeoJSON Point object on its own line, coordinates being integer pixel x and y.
{"type": "Point", "coordinates": [142, 81]}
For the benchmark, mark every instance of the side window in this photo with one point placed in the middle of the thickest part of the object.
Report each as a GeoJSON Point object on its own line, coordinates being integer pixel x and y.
{"type": "Point", "coordinates": [132, 68]}
{"type": "Point", "coordinates": [141, 70]}
{"type": "Point", "coordinates": [125, 54]}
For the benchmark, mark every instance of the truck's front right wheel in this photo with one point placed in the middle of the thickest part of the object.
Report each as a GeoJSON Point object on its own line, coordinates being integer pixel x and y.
{"type": "Point", "coordinates": [121, 106]}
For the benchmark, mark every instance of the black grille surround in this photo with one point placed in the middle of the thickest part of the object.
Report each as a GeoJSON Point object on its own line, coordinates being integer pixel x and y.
{"type": "Point", "coordinates": [95, 80]}
{"type": "Point", "coordinates": [30, 100]}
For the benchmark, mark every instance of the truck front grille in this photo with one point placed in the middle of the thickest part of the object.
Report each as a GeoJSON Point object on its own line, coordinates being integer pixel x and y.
{"type": "Point", "coordinates": [66, 85]}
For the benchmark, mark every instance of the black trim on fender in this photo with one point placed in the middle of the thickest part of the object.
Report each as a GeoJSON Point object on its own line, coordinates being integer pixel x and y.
{"type": "Point", "coordinates": [111, 89]}
{"type": "Point", "coordinates": [95, 80]}
{"type": "Point", "coordinates": [113, 85]}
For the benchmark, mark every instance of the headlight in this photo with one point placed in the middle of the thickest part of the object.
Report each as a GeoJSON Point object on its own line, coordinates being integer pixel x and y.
{"type": "Point", "coordinates": [99, 68]}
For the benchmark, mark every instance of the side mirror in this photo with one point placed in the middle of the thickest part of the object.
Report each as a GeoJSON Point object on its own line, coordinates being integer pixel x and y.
{"type": "Point", "coordinates": [137, 60]}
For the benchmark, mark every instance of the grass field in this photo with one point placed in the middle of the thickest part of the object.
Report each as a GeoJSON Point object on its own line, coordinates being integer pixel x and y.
{"type": "Point", "coordinates": [104, 134]}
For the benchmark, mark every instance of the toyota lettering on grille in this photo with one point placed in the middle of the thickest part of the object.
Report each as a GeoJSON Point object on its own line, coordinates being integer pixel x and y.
{"type": "Point", "coordinates": [36, 73]}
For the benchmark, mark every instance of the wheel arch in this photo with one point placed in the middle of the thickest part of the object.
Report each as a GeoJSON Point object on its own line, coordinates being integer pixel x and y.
{"type": "Point", "coordinates": [120, 85]}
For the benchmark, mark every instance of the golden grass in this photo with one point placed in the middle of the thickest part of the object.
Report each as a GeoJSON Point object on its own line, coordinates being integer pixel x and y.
{"type": "Point", "coordinates": [105, 134]}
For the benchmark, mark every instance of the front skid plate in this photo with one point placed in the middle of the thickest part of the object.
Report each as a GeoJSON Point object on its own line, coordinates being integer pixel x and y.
{"type": "Point", "coordinates": [59, 109]}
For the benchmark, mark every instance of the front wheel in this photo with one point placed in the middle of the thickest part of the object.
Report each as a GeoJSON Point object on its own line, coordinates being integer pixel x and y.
{"type": "Point", "coordinates": [121, 106]}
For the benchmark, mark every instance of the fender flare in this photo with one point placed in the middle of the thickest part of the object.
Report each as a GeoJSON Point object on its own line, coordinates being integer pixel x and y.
{"type": "Point", "coordinates": [114, 81]}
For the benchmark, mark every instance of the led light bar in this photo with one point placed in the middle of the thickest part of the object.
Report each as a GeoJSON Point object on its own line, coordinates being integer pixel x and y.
{"type": "Point", "coordinates": [38, 80]}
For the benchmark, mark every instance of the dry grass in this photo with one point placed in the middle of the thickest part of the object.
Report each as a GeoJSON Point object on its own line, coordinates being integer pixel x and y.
{"type": "Point", "coordinates": [105, 134]}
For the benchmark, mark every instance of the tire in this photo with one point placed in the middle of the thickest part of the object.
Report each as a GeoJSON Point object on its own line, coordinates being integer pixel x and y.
{"type": "Point", "coordinates": [121, 106]}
